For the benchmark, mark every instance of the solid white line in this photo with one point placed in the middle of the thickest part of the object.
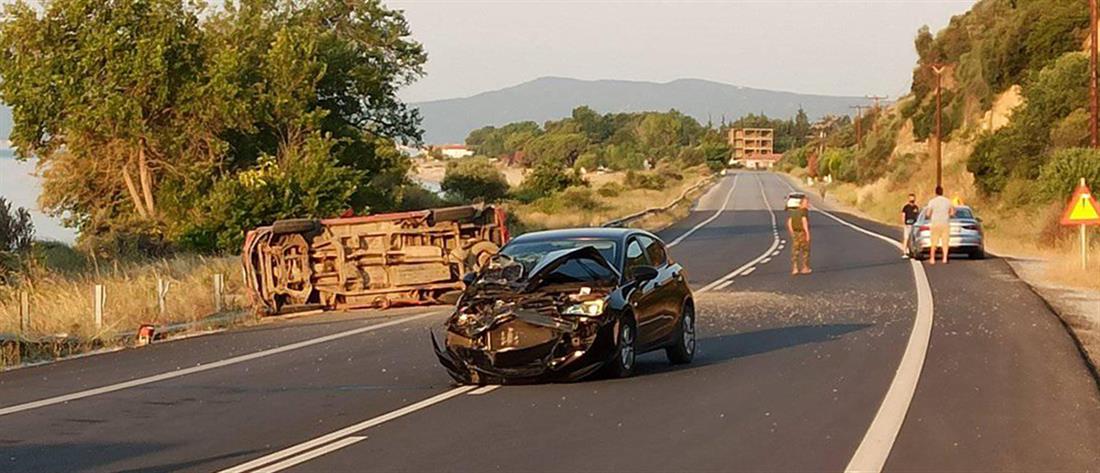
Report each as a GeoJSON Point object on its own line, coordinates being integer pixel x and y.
{"type": "Point", "coordinates": [203, 367]}
{"type": "Point", "coordinates": [332, 447]}
{"type": "Point", "coordinates": [748, 271]}
{"type": "Point", "coordinates": [736, 272]}
{"type": "Point", "coordinates": [484, 390]}
{"type": "Point", "coordinates": [721, 209]}
{"type": "Point", "coordinates": [724, 285]}
{"type": "Point", "coordinates": [346, 431]}
{"type": "Point", "coordinates": [874, 449]}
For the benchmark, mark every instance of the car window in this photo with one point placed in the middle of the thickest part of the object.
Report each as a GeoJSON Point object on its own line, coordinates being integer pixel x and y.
{"type": "Point", "coordinates": [580, 270]}
{"type": "Point", "coordinates": [963, 213]}
{"type": "Point", "coordinates": [635, 256]}
{"type": "Point", "coordinates": [529, 253]}
{"type": "Point", "coordinates": [654, 251]}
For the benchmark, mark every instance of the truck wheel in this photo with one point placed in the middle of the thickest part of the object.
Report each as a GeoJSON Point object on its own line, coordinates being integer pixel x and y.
{"type": "Point", "coordinates": [295, 225]}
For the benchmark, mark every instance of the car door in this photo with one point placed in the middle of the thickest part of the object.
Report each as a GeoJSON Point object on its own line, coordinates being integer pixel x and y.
{"type": "Point", "coordinates": [645, 299]}
{"type": "Point", "coordinates": [667, 292]}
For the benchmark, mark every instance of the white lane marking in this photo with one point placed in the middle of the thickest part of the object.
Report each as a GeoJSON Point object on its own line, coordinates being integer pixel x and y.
{"type": "Point", "coordinates": [484, 390]}
{"type": "Point", "coordinates": [289, 462]}
{"type": "Point", "coordinates": [724, 285]}
{"type": "Point", "coordinates": [204, 367]}
{"type": "Point", "coordinates": [347, 431]}
{"type": "Point", "coordinates": [783, 242]}
{"type": "Point", "coordinates": [775, 253]}
{"type": "Point", "coordinates": [717, 213]}
{"type": "Point", "coordinates": [754, 262]}
{"type": "Point", "coordinates": [874, 449]}
{"type": "Point", "coordinates": [748, 271]}
{"type": "Point", "coordinates": [766, 260]}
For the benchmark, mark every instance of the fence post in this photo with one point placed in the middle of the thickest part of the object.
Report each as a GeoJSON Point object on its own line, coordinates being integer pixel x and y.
{"type": "Point", "coordinates": [162, 294]}
{"type": "Point", "coordinates": [100, 301]}
{"type": "Point", "coordinates": [24, 312]}
{"type": "Point", "coordinates": [219, 284]}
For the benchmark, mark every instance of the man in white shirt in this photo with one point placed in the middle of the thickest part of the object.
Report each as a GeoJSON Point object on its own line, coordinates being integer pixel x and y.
{"type": "Point", "coordinates": [939, 213]}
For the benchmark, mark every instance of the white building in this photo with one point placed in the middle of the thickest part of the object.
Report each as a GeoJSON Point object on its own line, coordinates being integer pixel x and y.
{"type": "Point", "coordinates": [454, 151]}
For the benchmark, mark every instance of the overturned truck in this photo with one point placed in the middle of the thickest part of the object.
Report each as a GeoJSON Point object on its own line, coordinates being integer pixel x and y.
{"type": "Point", "coordinates": [370, 261]}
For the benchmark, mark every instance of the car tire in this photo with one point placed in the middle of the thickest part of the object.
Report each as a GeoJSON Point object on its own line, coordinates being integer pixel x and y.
{"type": "Point", "coordinates": [978, 254]}
{"type": "Point", "coordinates": [682, 350]}
{"type": "Point", "coordinates": [623, 363]}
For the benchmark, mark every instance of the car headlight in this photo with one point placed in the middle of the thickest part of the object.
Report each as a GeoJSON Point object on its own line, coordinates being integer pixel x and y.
{"type": "Point", "coordinates": [587, 308]}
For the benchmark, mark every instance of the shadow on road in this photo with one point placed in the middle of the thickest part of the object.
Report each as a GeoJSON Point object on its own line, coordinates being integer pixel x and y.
{"type": "Point", "coordinates": [723, 348]}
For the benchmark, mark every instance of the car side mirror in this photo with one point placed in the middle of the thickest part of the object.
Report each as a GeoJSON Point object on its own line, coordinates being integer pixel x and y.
{"type": "Point", "coordinates": [644, 273]}
{"type": "Point", "coordinates": [469, 278]}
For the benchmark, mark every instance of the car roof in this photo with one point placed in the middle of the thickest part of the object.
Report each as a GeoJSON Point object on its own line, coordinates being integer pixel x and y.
{"type": "Point", "coordinates": [580, 233]}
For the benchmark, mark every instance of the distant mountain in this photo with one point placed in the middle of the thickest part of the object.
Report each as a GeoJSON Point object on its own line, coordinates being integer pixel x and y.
{"type": "Point", "coordinates": [548, 98]}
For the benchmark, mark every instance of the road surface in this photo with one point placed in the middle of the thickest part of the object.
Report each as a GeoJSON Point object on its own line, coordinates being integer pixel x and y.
{"type": "Point", "coordinates": [870, 363]}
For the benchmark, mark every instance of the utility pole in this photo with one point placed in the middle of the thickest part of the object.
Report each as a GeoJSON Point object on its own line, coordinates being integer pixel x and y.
{"type": "Point", "coordinates": [859, 124]}
{"type": "Point", "coordinates": [1094, 98]}
{"type": "Point", "coordinates": [875, 109]}
{"type": "Point", "coordinates": [939, 69]}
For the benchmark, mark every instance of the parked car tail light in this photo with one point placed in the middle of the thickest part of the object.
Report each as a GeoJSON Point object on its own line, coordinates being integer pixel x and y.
{"type": "Point", "coordinates": [971, 227]}
{"type": "Point", "coordinates": [924, 228]}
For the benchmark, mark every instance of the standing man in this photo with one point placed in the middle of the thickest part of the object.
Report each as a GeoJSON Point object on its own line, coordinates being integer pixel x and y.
{"type": "Point", "coordinates": [940, 211]}
{"type": "Point", "coordinates": [909, 214]}
{"type": "Point", "coordinates": [798, 227]}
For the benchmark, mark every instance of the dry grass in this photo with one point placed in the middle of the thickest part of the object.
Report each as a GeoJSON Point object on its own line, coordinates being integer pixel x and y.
{"type": "Point", "coordinates": [626, 202]}
{"type": "Point", "coordinates": [64, 304]}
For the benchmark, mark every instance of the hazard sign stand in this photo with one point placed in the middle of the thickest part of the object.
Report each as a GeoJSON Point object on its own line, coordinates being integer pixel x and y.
{"type": "Point", "coordinates": [1082, 211]}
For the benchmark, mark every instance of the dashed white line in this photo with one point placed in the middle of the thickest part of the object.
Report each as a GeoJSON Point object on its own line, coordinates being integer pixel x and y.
{"type": "Point", "coordinates": [204, 367]}
{"type": "Point", "coordinates": [775, 253]}
{"type": "Point", "coordinates": [724, 285]}
{"type": "Point", "coordinates": [748, 271]}
{"type": "Point", "coordinates": [484, 390]}
{"type": "Point", "coordinates": [319, 442]}
{"type": "Point", "coordinates": [733, 274]}
{"type": "Point", "coordinates": [307, 456]}
{"type": "Point", "coordinates": [717, 213]}
{"type": "Point", "coordinates": [766, 260]}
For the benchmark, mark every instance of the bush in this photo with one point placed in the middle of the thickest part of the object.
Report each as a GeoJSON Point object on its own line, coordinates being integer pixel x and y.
{"type": "Point", "coordinates": [547, 179]}
{"type": "Point", "coordinates": [474, 179]}
{"type": "Point", "coordinates": [1060, 176]}
{"type": "Point", "coordinates": [572, 199]}
{"type": "Point", "coordinates": [16, 228]}
{"type": "Point", "coordinates": [301, 186]}
{"type": "Point", "coordinates": [644, 180]}
{"type": "Point", "coordinates": [611, 189]}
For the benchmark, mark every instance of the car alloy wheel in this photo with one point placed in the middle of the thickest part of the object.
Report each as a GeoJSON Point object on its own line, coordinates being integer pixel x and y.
{"type": "Point", "coordinates": [689, 331]}
{"type": "Point", "coordinates": [626, 347]}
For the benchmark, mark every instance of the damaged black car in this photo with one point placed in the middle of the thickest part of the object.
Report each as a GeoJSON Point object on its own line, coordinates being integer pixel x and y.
{"type": "Point", "coordinates": [565, 304]}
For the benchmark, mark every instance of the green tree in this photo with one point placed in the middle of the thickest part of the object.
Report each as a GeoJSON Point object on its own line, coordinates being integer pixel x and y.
{"type": "Point", "coordinates": [1065, 169]}
{"type": "Point", "coordinates": [474, 179]}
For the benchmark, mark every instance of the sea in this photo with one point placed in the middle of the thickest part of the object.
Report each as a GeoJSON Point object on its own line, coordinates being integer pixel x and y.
{"type": "Point", "coordinates": [21, 187]}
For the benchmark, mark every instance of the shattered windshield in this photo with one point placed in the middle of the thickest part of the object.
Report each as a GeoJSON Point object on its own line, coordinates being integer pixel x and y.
{"type": "Point", "coordinates": [529, 254]}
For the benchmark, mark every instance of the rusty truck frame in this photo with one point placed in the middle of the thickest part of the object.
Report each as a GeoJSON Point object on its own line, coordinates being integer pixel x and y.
{"type": "Point", "coordinates": [370, 261]}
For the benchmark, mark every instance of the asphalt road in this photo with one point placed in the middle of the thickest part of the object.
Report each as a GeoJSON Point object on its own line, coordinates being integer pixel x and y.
{"type": "Point", "coordinates": [871, 360]}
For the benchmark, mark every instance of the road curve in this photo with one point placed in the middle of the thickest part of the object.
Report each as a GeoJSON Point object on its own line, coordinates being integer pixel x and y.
{"type": "Point", "coordinates": [790, 375]}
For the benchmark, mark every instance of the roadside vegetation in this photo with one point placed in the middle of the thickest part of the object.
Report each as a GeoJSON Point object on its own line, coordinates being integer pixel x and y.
{"type": "Point", "coordinates": [588, 168]}
{"type": "Point", "coordinates": [164, 129]}
{"type": "Point", "coordinates": [1015, 128]}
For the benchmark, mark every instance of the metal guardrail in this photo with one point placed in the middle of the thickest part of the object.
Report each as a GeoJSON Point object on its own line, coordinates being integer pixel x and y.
{"type": "Point", "coordinates": [622, 221]}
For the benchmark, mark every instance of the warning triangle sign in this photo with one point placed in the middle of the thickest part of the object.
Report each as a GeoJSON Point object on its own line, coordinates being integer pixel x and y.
{"type": "Point", "coordinates": [1082, 208]}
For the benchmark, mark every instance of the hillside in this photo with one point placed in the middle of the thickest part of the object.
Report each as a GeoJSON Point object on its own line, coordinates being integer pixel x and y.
{"type": "Point", "coordinates": [553, 98]}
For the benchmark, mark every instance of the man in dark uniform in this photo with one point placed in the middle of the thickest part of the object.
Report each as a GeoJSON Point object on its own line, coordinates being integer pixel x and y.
{"type": "Point", "coordinates": [909, 214]}
{"type": "Point", "coordinates": [798, 227]}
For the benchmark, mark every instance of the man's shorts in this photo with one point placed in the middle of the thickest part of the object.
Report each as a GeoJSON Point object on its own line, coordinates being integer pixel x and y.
{"type": "Point", "coordinates": [941, 235]}
{"type": "Point", "coordinates": [908, 230]}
